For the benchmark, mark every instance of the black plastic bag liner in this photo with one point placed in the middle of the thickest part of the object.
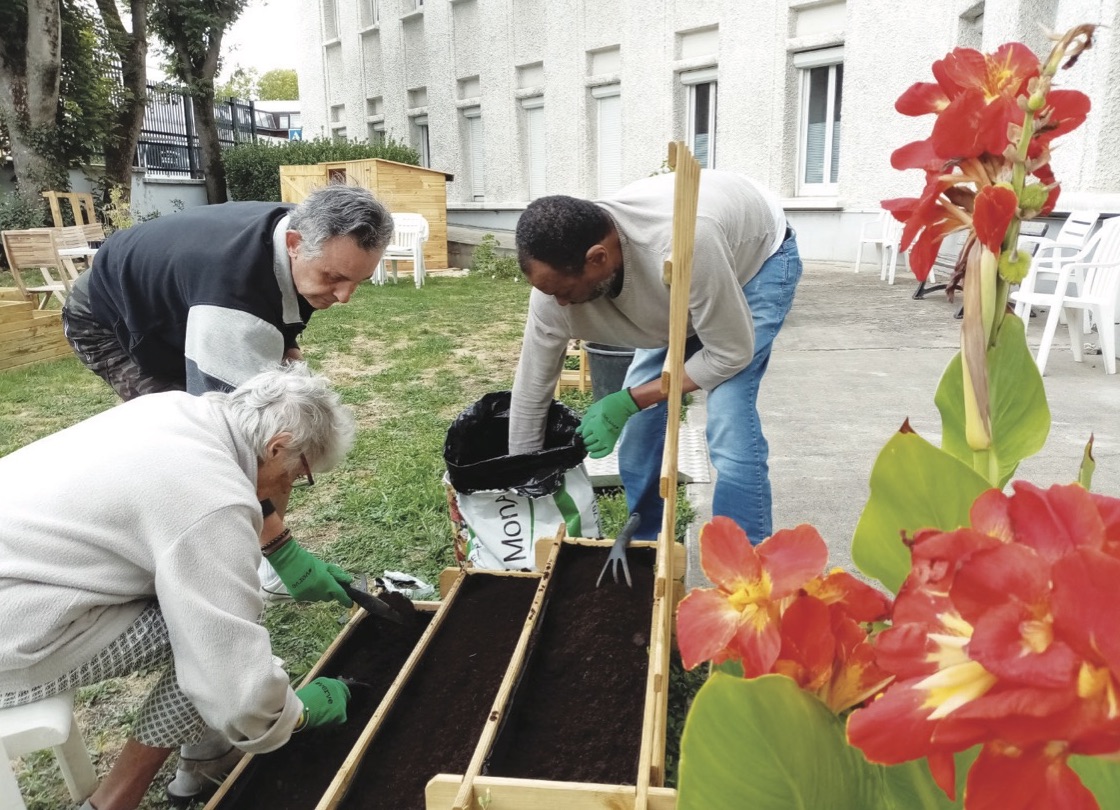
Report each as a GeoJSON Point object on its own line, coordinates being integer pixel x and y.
{"type": "Point", "coordinates": [477, 450]}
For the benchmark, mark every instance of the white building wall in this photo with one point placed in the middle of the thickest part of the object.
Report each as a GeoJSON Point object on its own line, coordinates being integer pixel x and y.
{"type": "Point", "coordinates": [423, 62]}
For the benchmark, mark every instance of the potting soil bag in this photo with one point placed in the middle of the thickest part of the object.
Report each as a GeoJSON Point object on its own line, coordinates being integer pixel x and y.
{"type": "Point", "coordinates": [501, 504]}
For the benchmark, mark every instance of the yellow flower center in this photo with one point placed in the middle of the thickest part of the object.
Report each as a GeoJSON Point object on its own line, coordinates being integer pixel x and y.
{"type": "Point", "coordinates": [750, 593]}
{"type": "Point", "coordinates": [1037, 635]}
{"type": "Point", "coordinates": [1097, 682]}
{"type": "Point", "coordinates": [954, 686]}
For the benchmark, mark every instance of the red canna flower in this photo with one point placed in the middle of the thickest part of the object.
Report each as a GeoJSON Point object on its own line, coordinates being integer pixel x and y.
{"type": "Point", "coordinates": [738, 619]}
{"type": "Point", "coordinates": [1002, 636]}
{"type": "Point", "coordinates": [978, 102]}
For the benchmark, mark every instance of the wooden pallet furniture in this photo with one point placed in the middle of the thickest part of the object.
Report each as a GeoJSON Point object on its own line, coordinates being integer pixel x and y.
{"type": "Point", "coordinates": [35, 250]}
{"type": "Point", "coordinates": [81, 207]}
{"type": "Point", "coordinates": [28, 335]}
{"type": "Point", "coordinates": [578, 379]}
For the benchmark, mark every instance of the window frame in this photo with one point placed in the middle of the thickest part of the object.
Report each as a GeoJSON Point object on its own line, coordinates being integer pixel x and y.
{"type": "Point", "coordinates": [423, 140]}
{"type": "Point", "coordinates": [805, 62]}
{"type": "Point", "coordinates": [691, 80]}
{"type": "Point", "coordinates": [373, 18]}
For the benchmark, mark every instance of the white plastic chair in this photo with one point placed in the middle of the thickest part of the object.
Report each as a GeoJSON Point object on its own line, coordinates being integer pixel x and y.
{"type": "Point", "coordinates": [410, 232]}
{"type": "Point", "coordinates": [1049, 254]}
{"type": "Point", "coordinates": [871, 234]}
{"type": "Point", "coordinates": [1099, 264]}
{"type": "Point", "coordinates": [46, 723]}
{"type": "Point", "coordinates": [892, 236]}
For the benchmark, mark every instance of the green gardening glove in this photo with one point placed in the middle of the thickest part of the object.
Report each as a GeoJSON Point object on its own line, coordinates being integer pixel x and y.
{"type": "Point", "coordinates": [324, 703]}
{"type": "Point", "coordinates": [604, 420]}
{"type": "Point", "coordinates": [307, 578]}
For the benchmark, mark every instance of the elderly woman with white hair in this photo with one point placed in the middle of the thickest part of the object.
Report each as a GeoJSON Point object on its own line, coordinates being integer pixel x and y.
{"type": "Point", "coordinates": [130, 541]}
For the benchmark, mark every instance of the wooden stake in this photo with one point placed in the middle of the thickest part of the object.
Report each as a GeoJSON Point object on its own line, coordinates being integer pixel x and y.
{"type": "Point", "coordinates": [678, 274]}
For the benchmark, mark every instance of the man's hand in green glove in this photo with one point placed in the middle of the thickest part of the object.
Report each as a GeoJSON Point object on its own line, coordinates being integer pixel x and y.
{"type": "Point", "coordinates": [307, 578]}
{"type": "Point", "coordinates": [324, 703]}
{"type": "Point", "coordinates": [604, 420]}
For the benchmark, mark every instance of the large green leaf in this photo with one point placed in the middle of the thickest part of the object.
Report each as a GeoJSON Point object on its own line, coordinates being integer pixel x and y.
{"type": "Point", "coordinates": [765, 744]}
{"type": "Point", "coordinates": [1020, 415]}
{"type": "Point", "coordinates": [910, 786]}
{"type": "Point", "coordinates": [1101, 776]}
{"type": "Point", "coordinates": [914, 486]}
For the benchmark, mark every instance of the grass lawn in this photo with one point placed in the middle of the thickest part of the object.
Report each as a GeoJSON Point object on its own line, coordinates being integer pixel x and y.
{"type": "Point", "coordinates": [407, 361]}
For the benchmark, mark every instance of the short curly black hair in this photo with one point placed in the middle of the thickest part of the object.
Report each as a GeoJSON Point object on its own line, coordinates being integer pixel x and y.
{"type": "Point", "coordinates": [558, 231]}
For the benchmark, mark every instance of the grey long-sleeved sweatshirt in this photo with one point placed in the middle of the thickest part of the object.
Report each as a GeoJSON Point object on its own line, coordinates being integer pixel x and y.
{"type": "Point", "coordinates": [738, 227]}
{"type": "Point", "coordinates": [155, 498]}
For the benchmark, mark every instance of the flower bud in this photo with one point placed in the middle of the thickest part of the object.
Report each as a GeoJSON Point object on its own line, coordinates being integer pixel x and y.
{"type": "Point", "coordinates": [1033, 197]}
{"type": "Point", "coordinates": [1014, 270]}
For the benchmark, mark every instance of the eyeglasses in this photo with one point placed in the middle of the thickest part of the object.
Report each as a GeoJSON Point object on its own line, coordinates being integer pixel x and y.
{"type": "Point", "coordinates": [307, 479]}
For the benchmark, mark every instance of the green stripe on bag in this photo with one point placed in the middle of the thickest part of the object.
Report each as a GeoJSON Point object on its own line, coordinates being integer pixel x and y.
{"type": "Point", "coordinates": [568, 510]}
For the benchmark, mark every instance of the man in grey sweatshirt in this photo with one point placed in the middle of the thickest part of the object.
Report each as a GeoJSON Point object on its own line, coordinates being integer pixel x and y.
{"type": "Point", "coordinates": [596, 268]}
{"type": "Point", "coordinates": [130, 541]}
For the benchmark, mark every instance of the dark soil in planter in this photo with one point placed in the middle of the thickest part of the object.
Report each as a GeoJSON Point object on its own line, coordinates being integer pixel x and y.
{"type": "Point", "coordinates": [296, 776]}
{"type": "Point", "coordinates": [438, 717]}
{"type": "Point", "coordinates": [577, 714]}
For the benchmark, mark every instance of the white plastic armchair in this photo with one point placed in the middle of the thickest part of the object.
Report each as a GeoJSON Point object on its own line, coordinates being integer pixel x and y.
{"type": "Point", "coordinates": [1050, 254]}
{"type": "Point", "coordinates": [410, 232]}
{"type": "Point", "coordinates": [873, 233]}
{"type": "Point", "coordinates": [1098, 264]}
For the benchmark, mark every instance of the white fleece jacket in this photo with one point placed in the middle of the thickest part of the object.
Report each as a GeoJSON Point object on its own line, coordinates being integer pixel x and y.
{"type": "Point", "coordinates": [155, 498]}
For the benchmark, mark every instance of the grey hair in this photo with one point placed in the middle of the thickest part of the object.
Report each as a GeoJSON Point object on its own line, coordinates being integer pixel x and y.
{"type": "Point", "coordinates": [341, 210]}
{"type": "Point", "coordinates": [290, 399]}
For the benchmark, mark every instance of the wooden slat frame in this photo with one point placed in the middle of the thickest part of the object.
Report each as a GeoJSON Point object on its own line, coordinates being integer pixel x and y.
{"type": "Point", "coordinates": [464, 798]}
{"type": "Point", "coordinates": [336, 791]}
{"type": "Point", "coordinates": [313, 673]}
{"type": "Point", "coordinates": [503, 793]}
{"type": "Point", "coordinates": [678, 274]}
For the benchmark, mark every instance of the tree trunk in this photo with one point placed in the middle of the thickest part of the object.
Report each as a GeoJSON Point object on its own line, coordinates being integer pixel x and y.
{"type": "Point", "coordinates": [212, 164]}
{"type": "Point", "coordinates": [29, 78]}
{"type": "Point", "coordinates": [132, 49]}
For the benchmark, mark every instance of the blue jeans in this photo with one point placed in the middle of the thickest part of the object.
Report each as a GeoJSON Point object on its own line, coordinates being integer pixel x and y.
{"type": "Point", "coordinates": [735, 442]}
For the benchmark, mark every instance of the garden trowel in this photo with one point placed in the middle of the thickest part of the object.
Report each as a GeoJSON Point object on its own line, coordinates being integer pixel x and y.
{"type": "Point", "coordinates": [358, 590]}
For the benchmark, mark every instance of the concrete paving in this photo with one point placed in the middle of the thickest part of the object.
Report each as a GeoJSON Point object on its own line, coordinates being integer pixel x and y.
{"type": "Point", "coordinates": [855, 358]}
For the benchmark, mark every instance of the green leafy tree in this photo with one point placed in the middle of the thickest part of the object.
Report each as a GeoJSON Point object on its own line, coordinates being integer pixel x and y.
{"type": "Point", "coordinates": [243, 83]}
{"type": "Point", "coordinates": [127, 116]}
{"type": "Point", "coordinates": [88, 90]}
{"type": "Point", "coordinates": [30, 70]}
{"type": "Point", "coordinates": [280, 84]}
{"type": "Point", "coordinates": [192, 31]}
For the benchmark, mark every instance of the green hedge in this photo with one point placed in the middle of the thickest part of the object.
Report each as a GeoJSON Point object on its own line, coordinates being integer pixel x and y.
{"type": "Point", "coordinates": [253, 169]}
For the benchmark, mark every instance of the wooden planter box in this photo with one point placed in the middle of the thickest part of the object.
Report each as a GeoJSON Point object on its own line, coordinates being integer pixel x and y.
{"type": "Point", "coordinates": [29, 335]}
{"type": "Point", "coordinates": [460, 724]}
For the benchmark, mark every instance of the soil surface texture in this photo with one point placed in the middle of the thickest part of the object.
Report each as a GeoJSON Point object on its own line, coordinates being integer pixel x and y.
{"type": "Point", "coordinates": [436, 721]}
{"type": "Point", "coordinates": [577, 713]}
{"type": "Point", "coordinates": [296, 776]}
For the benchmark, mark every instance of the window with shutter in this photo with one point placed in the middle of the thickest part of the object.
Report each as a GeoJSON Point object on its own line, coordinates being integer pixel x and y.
{"type": "Point", "coordinates": [822, 79]}
{"type": "Point", "coordinates": [475, 148]}
{"type": "Point", "coordinates": [535, 145]}
{"type": "Point", "coordinates": [608, 101]}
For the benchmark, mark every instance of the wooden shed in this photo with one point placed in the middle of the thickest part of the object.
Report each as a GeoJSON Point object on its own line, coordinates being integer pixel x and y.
{"type": "Point", "coordinates": [400, 186]}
